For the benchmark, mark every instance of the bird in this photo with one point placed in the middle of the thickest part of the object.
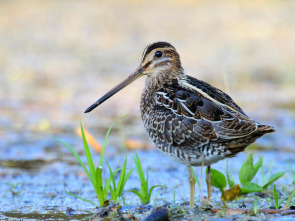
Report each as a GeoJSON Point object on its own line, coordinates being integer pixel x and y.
{"type": "Point", "coordinates": [189, 120]}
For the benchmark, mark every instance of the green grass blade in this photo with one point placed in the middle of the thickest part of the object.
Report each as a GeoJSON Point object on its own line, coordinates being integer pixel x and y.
{"type": "Point", "coordinates": [81, 198]}
{"type": "Point", "coordinates": [112, 175]}
{"type": "Point", "coordinates": [142, 199]}
{"type": "Point", "coordinates": [113, 194]}
{"type": "Point", "coordinates": [257, 165]}
{"type": "Point", "coordinates": [105, 140]}
{"type": "Point", "coordinates": [273, 178]}
{"type": "Point", "coordinates": [275, 197]}
{"type": "Point", "coordinates": [139, 168]}
{"type": "Point", "coordinates": [282, 200]}
{"type": "Point", "coordinates": [80, 161]}
{"type": "Point", "coordinates": [116, 171]}
{"type": "Point", "coordinates": [255, 209]}
{"type": "Point", "coordinates": [289, 200]}
{"type": "Point", "coordinates": [151, 190]}
{"type": "Point", "coordinates": [144, 184]}
{"type": "Point", "coordinates": [107, 184]}
{"type": "Point", "coordinates": [88, 155]}
{"type": "Point", "coordinates": [107, 187]}
{"type": "Point", "coordinates": [127, 176]}
{"type": "Point", "coordinates": [155, 200]}
{"type": "Point", "coordinates": [196, 178]}
{"type": "Point", "coordinates": [121, 179]}
{"type": "Point", "coordinates": [99, 187]}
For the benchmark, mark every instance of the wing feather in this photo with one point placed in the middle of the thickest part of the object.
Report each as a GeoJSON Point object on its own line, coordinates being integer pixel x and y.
{"type": "Point", "coordinates": [190, 119]}
{"type": "Point", "coordinates": [214, 93]}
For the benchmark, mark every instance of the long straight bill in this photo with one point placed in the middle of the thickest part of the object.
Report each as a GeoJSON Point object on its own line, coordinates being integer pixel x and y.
{"type": "Point", "coordinates": [117, 88]}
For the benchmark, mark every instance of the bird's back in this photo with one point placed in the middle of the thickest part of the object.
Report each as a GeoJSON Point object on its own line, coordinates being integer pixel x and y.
{"type": "Point", "coordinates": [187, 118]}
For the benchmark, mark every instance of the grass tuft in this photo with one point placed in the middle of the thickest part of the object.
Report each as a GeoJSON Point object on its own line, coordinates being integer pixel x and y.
{"type": "Point", "coordinates": [116, 190]}
{"type": "Point", "coordinates": [95, 173]}
{"type": "Point", "coordinates": [145, 193]}
{"type": "Point", "coordinates": [277, 202]}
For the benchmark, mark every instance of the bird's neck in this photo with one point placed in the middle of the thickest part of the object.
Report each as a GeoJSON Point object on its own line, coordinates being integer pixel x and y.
{"type": "Point", "coordinates": [154, 82]}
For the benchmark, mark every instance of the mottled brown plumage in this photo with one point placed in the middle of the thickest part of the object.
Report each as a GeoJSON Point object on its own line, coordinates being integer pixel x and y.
{"type": "Point", "coordinates": [188, 119]}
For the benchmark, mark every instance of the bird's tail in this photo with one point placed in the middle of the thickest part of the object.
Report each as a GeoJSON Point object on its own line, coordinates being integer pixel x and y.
{"type": "Point", "coordinates": [264, 129]}
{"type": "Point", "coordinates": [261, 130]}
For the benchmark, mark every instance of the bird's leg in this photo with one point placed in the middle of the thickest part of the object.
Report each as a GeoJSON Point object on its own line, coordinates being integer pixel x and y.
{"type": "Point", "coordinates": [192, 186]}
{"type": "Point", "coordinates": [209, 182]}
{"type": "Point", "coordinates": [202, 176]}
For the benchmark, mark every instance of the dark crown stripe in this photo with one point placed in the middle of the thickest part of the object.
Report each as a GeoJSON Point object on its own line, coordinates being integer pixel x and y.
{"type": "Point", "coordinates": [155, 45]}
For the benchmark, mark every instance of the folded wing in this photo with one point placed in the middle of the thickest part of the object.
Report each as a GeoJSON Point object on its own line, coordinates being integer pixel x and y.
{"type": "Point", "coordinates": [189, 118]}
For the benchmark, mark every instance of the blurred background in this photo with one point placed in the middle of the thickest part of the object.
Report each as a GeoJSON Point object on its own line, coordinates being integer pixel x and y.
{"type": "Point", "coordinates": [58, 57]}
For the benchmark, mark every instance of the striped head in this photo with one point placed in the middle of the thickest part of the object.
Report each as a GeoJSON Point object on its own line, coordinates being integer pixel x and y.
{"type": "Point", "coordinates": [160, 62]}
{"type": "Point", "coordinates": [160, 57]}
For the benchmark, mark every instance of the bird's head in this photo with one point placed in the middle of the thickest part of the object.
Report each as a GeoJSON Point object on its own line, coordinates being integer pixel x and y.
{"type": "Point", "coordinates": [160, 62]}
{"type": "Point", "coordinates": [160, 58]}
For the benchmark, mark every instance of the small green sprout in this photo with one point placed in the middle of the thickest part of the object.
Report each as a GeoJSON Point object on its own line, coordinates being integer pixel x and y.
{"type": "Point", "coordinates": [218, 180]}
{"type": "Point", "coordinates": [223, 212]}
{"type": "Point", "coordinates": [276, 199]}
{"type": "Point", "coordinates": [247, 172]}
{"type": "Point", "coordinates": [124, 200]}
{"type": "Point", "coordinates": [263, 179]}
{"type": "Point", "coordinates": [155, 199]}
{"type": "Point", "coordinates": [95, 173]}
{"type": "Point", "coordinates": [13, 188]}
{"type": "Point", "coordinates": [145, 193]}
{"type": "Point", "coordinates": [270, 178]}
{"type": "Point", "coordinates": [255, 209]}
{"type": "Point", "coordinates": [289, 200]}
{"type": "Point", "coordinates": [277, 202]}
{"type": "Point", "coordinates": [116, 190]}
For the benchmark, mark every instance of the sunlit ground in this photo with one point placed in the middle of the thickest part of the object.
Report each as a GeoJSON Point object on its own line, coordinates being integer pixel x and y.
{"type": "Point", "coordinates": [58, 57]}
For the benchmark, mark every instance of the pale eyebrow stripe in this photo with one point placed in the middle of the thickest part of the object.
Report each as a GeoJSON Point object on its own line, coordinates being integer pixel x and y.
{"type": "Point", "coordinates": [161, 60]}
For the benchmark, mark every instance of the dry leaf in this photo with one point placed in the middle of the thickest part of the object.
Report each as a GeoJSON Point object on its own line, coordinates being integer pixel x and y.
{"type": "Point", "coordinates": [90, 139]}
{"type": "Point", "coordinates": [136, 144]}
{"type": "Point", "coordinates": [231, 194]}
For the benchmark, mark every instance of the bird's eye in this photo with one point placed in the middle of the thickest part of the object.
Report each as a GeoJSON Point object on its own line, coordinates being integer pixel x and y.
{"type": "Point", "coordinates": [158, 54]}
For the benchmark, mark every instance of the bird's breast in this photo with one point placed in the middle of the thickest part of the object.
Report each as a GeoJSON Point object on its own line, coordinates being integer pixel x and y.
{"type": "Point", "coordinates": [147, 104]}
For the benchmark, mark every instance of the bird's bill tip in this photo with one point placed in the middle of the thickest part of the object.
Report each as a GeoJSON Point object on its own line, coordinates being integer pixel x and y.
{"type": "Point", "coordinates": [93, 106]}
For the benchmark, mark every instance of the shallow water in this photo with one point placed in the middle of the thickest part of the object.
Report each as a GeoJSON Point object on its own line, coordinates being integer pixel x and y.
{"type": "Point", "coordinates": [47, 169]}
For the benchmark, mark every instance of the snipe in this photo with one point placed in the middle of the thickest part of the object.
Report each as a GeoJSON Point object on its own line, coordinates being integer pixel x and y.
{"type": "Point", "coordinates": [188, 119]}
